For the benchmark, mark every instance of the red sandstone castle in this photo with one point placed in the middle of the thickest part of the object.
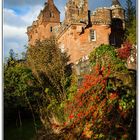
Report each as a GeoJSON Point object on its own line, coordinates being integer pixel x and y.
{"type": "Point", "coordinates": [82, 29]}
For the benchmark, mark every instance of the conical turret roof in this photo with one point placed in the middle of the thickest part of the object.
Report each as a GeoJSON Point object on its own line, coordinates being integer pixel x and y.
{"type": "Point", "coordinates": [115, 2]}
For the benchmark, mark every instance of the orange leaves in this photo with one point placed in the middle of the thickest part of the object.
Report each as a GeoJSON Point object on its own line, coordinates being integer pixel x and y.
{"type": "Point", "coordinates": [87, 132]}
{"type": "Point", "coordinates": [90, 101]}
{"type": "Point", "coordinates": [80, 104]}
{"type": "Point", "coordinates": [113, 96]}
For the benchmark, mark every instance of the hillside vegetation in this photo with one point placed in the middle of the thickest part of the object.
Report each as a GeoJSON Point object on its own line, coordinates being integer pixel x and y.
{"type": "Point", "coordinates": [97, 105]}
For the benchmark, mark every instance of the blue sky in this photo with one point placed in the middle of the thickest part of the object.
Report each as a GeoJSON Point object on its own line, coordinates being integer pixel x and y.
{"type": "Point", "coordinates": [18, 14]}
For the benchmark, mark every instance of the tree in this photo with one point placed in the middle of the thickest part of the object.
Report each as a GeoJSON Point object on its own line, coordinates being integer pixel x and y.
{"type": "Point", "coordinates": [51, 69]}
{"type": "Point", "coordinates": [18, 84]}
{"type": "Point", "coordinates": [130, 22]}
{"type": "Point", "coordinates": [49, 66]}
{"type": "Point", "coordinates": [130, 13]}
{"type": "Point", "coordinates": [132, 37]}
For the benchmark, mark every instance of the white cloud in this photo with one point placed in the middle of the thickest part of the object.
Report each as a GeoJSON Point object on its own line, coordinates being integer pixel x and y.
{"type": "Point", "coordinates": [14, 19]}
{"type": "Point", "coordinates": [31, 15]}
{"type": "Point", "coordinates": [21, 3]}
{"type": "Point", "coordinates": [15, 28]}
{"type": "Point", "coordinates": [17, 47]}
{"type": "Point", "coordinates": [11, 18]}
{"type": "Point", "coordinates": [14, 32]}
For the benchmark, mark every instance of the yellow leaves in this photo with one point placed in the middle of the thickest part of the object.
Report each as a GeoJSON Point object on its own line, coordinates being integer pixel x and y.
{"type": "Point", "coordinates": [95, 114]}
{"type": "Point", "coordinates": [87, 132]}
{"type": "Point", "coordinates": [98, 136]}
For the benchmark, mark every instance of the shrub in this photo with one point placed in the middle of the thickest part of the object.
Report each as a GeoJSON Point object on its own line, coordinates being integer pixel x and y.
{"type": "Point", "coordinates": [104, 105]}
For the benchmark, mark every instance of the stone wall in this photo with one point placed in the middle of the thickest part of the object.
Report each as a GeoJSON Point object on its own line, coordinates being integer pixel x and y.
{"type": "Point", "coordinates": [76, 40]}
{"type": "Point", "coordinates": [101, 16]}
{"type": "Point", "coordinates": [81, 31]}
{"type": "Point", "coordinates": [76, 11]}
{"type": "Point", "coordinates": [41, 32]}
{"type": "Point", "coordinates": [44, 27]}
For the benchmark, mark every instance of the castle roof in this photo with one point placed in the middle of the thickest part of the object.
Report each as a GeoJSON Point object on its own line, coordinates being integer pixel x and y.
{"type": "Point", "coordinates": [115, 2]}
{"type": "Point", "coordinates": [49, 3]}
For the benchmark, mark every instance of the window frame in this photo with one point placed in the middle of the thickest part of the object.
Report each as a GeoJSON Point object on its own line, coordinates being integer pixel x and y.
{"type": "Point", "coordinates": [92, 35]}
{"type": "Point", "coordinates": [51, 15]}
{"type": "Point", "coordinates": [51, 29]}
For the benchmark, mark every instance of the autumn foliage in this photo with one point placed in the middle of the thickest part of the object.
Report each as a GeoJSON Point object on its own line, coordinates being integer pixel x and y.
{"type": "Point", "coordinates": [125, 51]}
{"type": "Point", "coordinates": [97, 105]}
{"type": "Point", "coordinates": [96, 110]}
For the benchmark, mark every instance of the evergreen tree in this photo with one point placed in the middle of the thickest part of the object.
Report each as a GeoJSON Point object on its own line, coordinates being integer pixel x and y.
{"type": "Point", "coordinates": [130, 13]}
{"type": "Point", "coordinates": [130, 22]}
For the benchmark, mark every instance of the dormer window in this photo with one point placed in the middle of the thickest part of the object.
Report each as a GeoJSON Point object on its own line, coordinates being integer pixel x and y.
{"type": "Point", "coordinates": [92, 35]}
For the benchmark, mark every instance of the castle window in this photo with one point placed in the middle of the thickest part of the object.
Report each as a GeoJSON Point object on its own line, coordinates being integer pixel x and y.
{"type": "Point", "coordinates": [51, 14]}
{"type": "Point", "coordinates": [51, 29]}
{"type": "Point", "coordinates": [92, 35]}
{"type": "Point", "coordinates": [62, 48]}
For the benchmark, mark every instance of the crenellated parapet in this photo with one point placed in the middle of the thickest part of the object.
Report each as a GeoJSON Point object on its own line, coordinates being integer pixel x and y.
{"type": "Point", "coordinates": [76, 11]}
{"type": "Point", "coordinates": [101, 16]}
{"type": "Point", "coordinates": [105, 15]}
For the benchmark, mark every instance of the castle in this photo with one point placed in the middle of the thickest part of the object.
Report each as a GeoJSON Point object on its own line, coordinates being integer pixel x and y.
{"type": "Point", "coordinates": [82, 30]}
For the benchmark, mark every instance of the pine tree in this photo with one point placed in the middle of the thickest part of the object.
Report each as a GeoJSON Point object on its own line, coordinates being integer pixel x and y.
{"type": "Point", "coordinates": [130, 21]}
{"type": "Point", "coordinates": [130, 13]}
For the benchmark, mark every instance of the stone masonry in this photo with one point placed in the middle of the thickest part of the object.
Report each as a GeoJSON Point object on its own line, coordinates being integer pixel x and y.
{"type": "Point", "coordinates": [82, 30]}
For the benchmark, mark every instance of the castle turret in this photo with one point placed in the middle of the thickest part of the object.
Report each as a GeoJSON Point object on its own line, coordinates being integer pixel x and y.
{"type": "Point", "coordinates": [102, 16]}
{"type": "Point", "coordinates": [117, 10]}
{"type": "Point", "coordinates": [115, 3]}
{"type": "Point", "coordinates": [47, 21]}
{"type": "Point", "coordinates": [118, 24]}
{"type": "Point", "coordinates": [50, 12]}
{"type": "Point", "coordinates": [76, 11]}
{"type": "Point", "coordinates": [50, 2]}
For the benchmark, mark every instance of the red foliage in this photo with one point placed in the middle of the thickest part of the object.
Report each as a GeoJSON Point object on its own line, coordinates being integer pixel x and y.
{"type": "Point", "coordinates": [65, 124]}
{"type": "Point", "coordinates": [125, 51]}
{"type": "Point", "coordinates": [113, 96]}
{"type": "Point", "coordinates": [89, 95]}
{"type": "Point", "coordinates": [93, 107]}
{"type": "Point", "coordinates": [71, 116]}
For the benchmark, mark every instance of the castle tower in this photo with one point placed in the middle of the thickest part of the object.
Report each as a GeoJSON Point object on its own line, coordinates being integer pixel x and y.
{"type": "Point", "coordinates": [117, 10]}
{"type": "Point", "coordinates": [45, 26]}
{"type": "Point", "coordinates": [50, 12]}
{"type": "Point", "coordinates": [50, 2]}
{"type": "Point", "coordinates": [115, 3]}
{"type": "Point", "coordinates": [118, 24]}
{"type": "Point", "coordinates": [76, 11]}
